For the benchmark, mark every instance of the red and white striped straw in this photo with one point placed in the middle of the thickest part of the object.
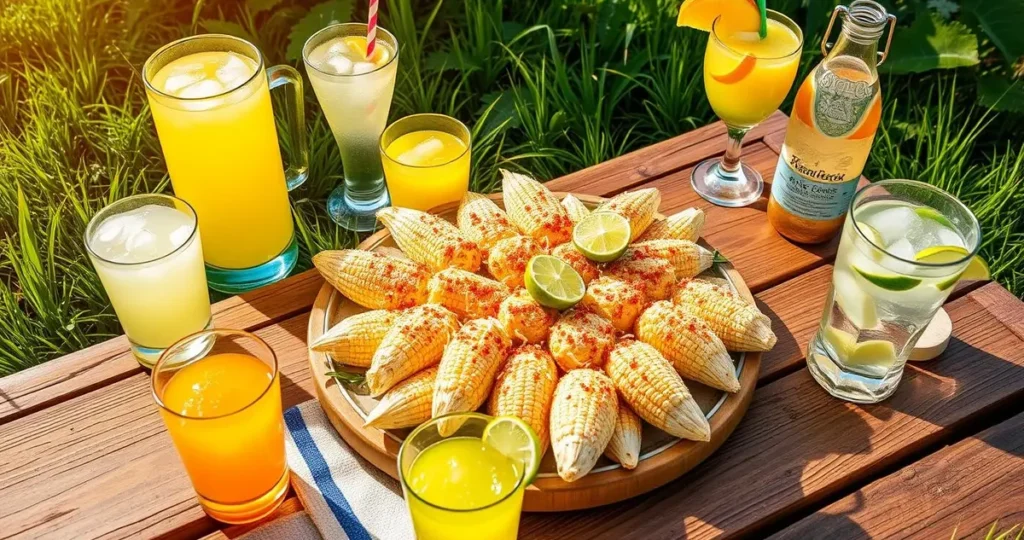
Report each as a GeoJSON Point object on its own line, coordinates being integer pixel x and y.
{"type": "Point", "coordinates": [371, 29]}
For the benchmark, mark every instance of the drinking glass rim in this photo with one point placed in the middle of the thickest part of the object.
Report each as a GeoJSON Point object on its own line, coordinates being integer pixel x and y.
{"type": "Point", "coordinates": [191, 236]}
{"type": "Point", "coordinates": [305, 46]}
{"type": "Point", "coordinates": [432, 421]}
{"type": "Point", "coordinates": [197, 335]}
{"type": "Point", "coordinates": [974, 221]}
{"type": "Point", "coordinates": [149, 86]}
{"type": "Point", "coordinates": [383, 151]}
{"type": "Point", "coordinates": [780, 17]}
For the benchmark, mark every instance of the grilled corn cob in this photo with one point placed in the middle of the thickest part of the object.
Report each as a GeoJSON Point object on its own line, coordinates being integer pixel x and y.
{"type": "Point", "coordinates": [583, 416]}
{"type": "Point", "coordinates": [656, 278]}
{"type": "Point", "coordinates": [624, 447]}
{"type": "Point", "coordinates": [507, 259]}
{"type": "Point", "coordinates": [405, 405]}
{"type": "Point", "coordinates": [429, 239]}
{"type": "Point", "coordinates": [684, 225]}
{"type": "Point", "coordinates": [688, 258]}
{"type": "Point", "coordinates": [688, 342]}
{"type": "Point", "coordinates": [586, 268]}
{"type": "Point", "coordinates": [354, 340]}
{"type": "Point", "coordinates": [581, 339]}
{"type": "Point", "coordinates": [524, 388]}
{"type": "Point", "coordinates": [647, 382]}
{"type": "Point", "coordinates": [575, 208]}
{"type": "Point", "coordinates": [617, 301]}
{"type": "Point", "coordinates": [467, 370]}
{"type": "Point", "coordinates": [637, 206]}
{"type": "Point", "coordinates": [738, 323]}
{"type": "Point", "coordinates": [468, 295]}
{"type": "Point", "coordinates": [415, 342]}
{"type": "Point", "coordinates": [373, 280]}
{"type": "Point", "coordinates": [481, 221]}
{"type": "Point", "coordinates": [523, 319]}
{"type": "Point", "coordinates": [535, 210]}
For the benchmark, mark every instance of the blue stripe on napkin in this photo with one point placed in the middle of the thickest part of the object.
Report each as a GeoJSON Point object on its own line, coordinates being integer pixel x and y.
{"type": "Point", "coordinates": [322, 475]}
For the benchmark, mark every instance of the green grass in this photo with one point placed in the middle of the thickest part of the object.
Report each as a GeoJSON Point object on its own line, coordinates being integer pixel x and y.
{"type": "Point", "coordinates": [548, 87]}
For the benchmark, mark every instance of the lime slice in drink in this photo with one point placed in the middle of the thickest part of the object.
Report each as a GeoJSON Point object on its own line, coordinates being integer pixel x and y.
{"type": "Point", "coordinates": [889, 282]}
{"type": "Point", "coordinates": [876, 352]}
{"type": "Point", "coordinates": [928, 212]}
{"type": "Point", "coordinates": [941, 254]}
{"type": "Point", "coordinates": [517, 441]}
{"type": "Point", "coordinates": [553, 283]}
{"type": "Point", "coordinates": [602, 236]}
{"type": "Point", "coordinates": [976, 269]}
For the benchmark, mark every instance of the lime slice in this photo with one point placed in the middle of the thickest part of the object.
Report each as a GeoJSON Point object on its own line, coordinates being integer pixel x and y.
{"type": "Point", "coordinates": [928, 212]}
{"type": "Point", "coordinates": [876, 352]}
{"type": "Point", "coordinates": [602, 236]}
{"type": "Point", "coordinates": [553, 283]}
{"type": "Point", "coordinates": [517, 441]}
{"type": "Point", "coordinates": [941, 254]}
{"type": "Point", "coordinates": [976, 269]}
{"type": "Point", "coordinates": [889, 282]}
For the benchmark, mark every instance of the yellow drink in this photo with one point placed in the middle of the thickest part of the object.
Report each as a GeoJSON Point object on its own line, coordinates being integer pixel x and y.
{"type": "Point", "coordinates": [747, 78]}
{"type": "Point", "coordinates": [426, 161]}
{"type": "Point", "coordinates": [464, 489]}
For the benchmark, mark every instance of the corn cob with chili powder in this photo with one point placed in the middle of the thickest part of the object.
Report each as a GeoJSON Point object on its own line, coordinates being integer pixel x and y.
{"type": "Point", "coordinates": [525, 320]}
{"type": "Point", "coordinates": [467, 369]}
{"type": "Point", "coordinates": [354, 340]}
{"type": "Point", "coordinates": [639, 207]}
{"type": "Point", "coordinates": [508, 257]}
{"type": "Point", "coordinates": [655, 277]}
{"type": "Point", "coordinates": [430, 240]}
{"type": "Point", "coordinates": [624, 446]}
{"type": "Point", "coordinates": [684, 225]}
{"type": "Point", "coordinates": [575, 208]}
{"type": "Point", "coordinates": [688, 258]}
{"type": "Point", "coordinates": [688, 342]}
{"type": "Point", "coordinates": [653, 389]}
{"type": "Point", "coordinates": [468, 295]}
{"type": "Point", "coordinates": [415, 342]}
{"type": "Point", "coordinates": [373, 280]}
{"type": "Point", "coordinates": [581, 339]}
{"type": "Point", "coordinates": [482, 221]}
{"type": "Point", "coordinates": [583, 415]}
{"type": "Point", "coordinates": [586, 268]}
{"type": "Point", "coordinates": [407, 404]}
{"type": "Point", "coordinates": [524, 388]}
{"type": "Point", "coordinates": [738, 323]}
{"type": "Point", "coordinates": [535, 210]}
{"type": "Point", "coordinates": [617, 301]}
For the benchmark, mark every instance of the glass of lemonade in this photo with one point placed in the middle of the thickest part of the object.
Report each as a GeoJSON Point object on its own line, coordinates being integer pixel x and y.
{"type": "Point", "coordinates": [456, 486]}
{"type": "Point", "coordinates": [147, 252]}
{"type": "Point", "coordinates": [355, 94]}
{"type": "Point", "coordinates": [426, 160]}
{"type": "Point", "coordinates": [211, 106]}
{"type": "Point", "coordinates": [746, 79]}
{"type": "Point", "coordinates": [903, 247]}
{"type": "Point", "coordinates": [219, 394]}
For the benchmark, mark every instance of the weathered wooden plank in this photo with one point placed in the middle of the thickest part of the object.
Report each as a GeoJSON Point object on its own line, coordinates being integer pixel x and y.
{"type": "Point", "coordinates": [797, 445]}
{"type": "Point", "coordinates": [111, 361]}
{"type": "Point", "coordinates": [963, 488]}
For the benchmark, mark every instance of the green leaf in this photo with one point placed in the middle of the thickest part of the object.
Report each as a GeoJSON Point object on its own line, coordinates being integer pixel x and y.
{"type": "Point", "coordinates": [1001, 93]}
{"type": "Point", "coordinates": [320, 16]}
{"type": "Point", "coordinates": [1000, 19]}
{"type": "Point", "coordinates": [931, 43]}
{"type": "Point", "coordinates": [216, 26]}
{"type": "Point", "coordinates": [259, 6]}
{"type": "Point", "coordinates": [497, 109]}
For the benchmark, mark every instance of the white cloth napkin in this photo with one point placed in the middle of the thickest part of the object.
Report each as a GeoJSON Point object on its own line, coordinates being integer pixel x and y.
{"type": "Point", "coordinates": [344, 495]}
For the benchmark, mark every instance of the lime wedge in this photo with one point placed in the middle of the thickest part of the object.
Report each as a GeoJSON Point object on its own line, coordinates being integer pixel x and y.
{"type": "Point", "coordinates": [602, 236]}
{"type": "Point", "coordinates": [928, 212]}
{"type": "Point", "coordinates": [976, 269]}
{"type": "Point", "coordinates": [889, 282]}
{"type": "Point", "coordinates": [553, 283]}
{"type": "Point", "coordinates": [941, 254]}
{"type": "Point", "coordinates": [517, 441]}
{"type": "Point", "coordinates": [876, 352]}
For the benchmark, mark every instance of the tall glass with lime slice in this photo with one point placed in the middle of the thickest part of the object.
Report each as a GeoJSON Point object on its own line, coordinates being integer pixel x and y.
{"type": "Point", "coordinates": [904, 246]}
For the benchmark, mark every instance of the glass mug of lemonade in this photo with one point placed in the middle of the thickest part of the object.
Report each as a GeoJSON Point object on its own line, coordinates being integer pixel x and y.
{"type": "Point", "coordinates": [426, 160]}
{"type": "Point", "coordinates": [219, 393]}
{"type": "Point", "coordinates": [211, 106]}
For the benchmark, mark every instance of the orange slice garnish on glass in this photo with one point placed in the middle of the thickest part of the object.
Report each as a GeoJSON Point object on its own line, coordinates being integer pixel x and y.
{"type": "Point", "coordinates": [738, 73]}
{"type": "Point", "coordinates": [739, 15]}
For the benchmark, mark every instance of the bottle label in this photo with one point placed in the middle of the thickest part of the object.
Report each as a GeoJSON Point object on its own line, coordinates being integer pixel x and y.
{"type": "Point", "coordinates": [811, 193]}
{"type": "Point", "coordinates": [839, 103]}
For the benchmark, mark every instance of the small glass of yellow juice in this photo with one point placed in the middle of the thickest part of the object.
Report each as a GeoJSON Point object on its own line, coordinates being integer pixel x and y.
{"type": "Point", "coordinates": [458, 486]}
{"type": "Point", "coordinates": [219, 394]}
{"type": "Point", "coordinates": [147, 252]}
{"type": "Point", "coordinates": [426, 160]}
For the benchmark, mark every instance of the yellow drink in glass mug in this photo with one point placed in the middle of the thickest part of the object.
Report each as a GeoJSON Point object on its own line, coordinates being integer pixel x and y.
{"type": "Point", "coordinates": [212, 110]}
{"type": "Point", "coordinates": [426, 160]}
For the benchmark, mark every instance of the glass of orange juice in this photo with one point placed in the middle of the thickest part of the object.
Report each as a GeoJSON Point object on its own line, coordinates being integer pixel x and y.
{"type": "Point", "coordinates": [219, 393]}
{"type": "Point", "coordinates": [426, 160]}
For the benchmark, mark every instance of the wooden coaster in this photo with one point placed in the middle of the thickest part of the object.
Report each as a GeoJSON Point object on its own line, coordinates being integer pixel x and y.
{"type": "Point", "coordinates": [934, 339]}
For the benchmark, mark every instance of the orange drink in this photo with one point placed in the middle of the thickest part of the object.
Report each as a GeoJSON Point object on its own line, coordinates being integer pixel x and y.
{"type": "Point", "coordinates": [220, 396]}
{"type": "Point", "coordinates": [426, 160]}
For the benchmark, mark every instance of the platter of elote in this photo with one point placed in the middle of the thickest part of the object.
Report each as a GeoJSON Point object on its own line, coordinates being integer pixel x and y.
{"type": "Point", "coordinates": [631, 365]}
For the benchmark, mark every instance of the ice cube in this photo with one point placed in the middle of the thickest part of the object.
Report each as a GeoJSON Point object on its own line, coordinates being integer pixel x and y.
{"type": "Point", "coordinates": [949, 237]}
{"type": "Point", "coordinates": [140, 244]}
{"type": "Point", "coordinates": [857, 305]}
{"type": "Point", "coordinates": [423, 152]}
{"type": "Point", "coordinates": [180, 234]}
{"type": "Point", "coordinates": [202, 89]}
{"type": "Point", "coordinates": [338, 47]}
{"type": "Point", "coordinates": [234, 71]}
{"type": "Point", "coordinates": [178, 81]}
{"type": "Point", "coordinates": [903, 249]}
{"type": "Point", "coordinates": [363, 67]}
{"type": "Point", "coordinates": [340, 64]}
{"type": "Point", "coordinates": [894, 223]}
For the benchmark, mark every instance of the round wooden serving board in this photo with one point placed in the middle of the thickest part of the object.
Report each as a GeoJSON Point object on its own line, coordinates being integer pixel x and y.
{"type": "Point", "coordinates": [663, 458]}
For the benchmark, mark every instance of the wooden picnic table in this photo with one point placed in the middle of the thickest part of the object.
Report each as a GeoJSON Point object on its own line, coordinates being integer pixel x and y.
{"type": "Point", "coordinates": [84, 453]}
